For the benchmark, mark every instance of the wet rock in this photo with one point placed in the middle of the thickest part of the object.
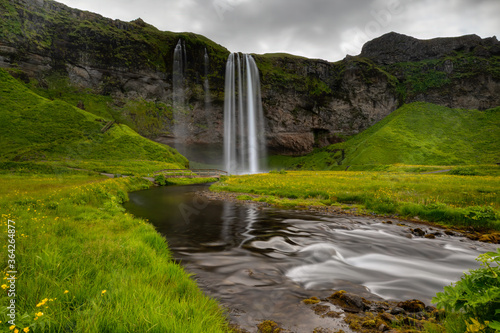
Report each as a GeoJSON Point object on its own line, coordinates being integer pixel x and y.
{"type": "Point", "coordinates": [413, 305]}
{"type": "Point", "coordinates": [383, 328]}
{"type": "Point", "coordinates": [430, 236]}
{"type": "Point", "coordinates": [269, 326]}
{"type": "Point", "coordinates": [236, 329]}
{"type": "Point", "coordinates": [387, 317]}
{"type": "Point", "coordinates": [332, 314]}
{"type": "Point", "coordinates": [325, 330]}
{"type": "Point", "coordinates": [397, 310]}
{"type": "Point", "coordinates": [379, 307]}
{"type": "Point", "coordinates": [430, 309]}
{"type": "Point", "coordinates": [490, 238]}
{"type": "Point", "coordinates": [418, 232]}
{"type": "Point", "coordinates": [320, 309]}
{"type": "Point", "coordinates": [348, 302]}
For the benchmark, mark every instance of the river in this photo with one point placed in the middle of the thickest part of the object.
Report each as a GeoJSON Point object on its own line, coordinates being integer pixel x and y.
{"type": "Point", "coordinates": [260, 262]}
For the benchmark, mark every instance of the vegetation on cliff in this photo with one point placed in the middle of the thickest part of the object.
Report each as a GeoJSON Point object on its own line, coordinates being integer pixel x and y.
{"type": "Point", "coordinates": [38, 129]}
{"type": "Point", "coordinates": [415, 134]}
{"type": "Point", "coordinates": [52, 29]}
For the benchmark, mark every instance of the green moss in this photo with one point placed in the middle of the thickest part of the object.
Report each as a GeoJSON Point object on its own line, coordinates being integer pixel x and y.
{"type": "Point", "coordinates": [312, 300]}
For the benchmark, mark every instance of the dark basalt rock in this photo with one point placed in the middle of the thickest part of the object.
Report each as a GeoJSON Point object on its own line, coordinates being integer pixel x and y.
{"type": "Point", "coordinates": [348, 302]}
{"type": "Point", "coordinates": [418, 232]}
{"type": "Point", "coordinates": [413, 305]}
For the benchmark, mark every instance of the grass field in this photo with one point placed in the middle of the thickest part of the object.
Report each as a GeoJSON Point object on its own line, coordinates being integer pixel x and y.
{"type": "Point", "coordinates": [84, 265]}
{"type": "Point", "coordinates": [448, 199]}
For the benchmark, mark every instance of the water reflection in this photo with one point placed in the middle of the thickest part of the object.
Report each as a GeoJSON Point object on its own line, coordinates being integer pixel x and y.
{"type": "Point", "coordinates": [262, 262]}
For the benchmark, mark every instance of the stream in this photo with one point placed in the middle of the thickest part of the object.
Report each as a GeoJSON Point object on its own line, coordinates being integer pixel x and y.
{"type": "Point", "coordinates": [260, 262]}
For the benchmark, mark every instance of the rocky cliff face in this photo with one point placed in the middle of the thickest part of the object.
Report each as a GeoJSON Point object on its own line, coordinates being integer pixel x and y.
{"type": "Point", "coordinates": [307, 103]}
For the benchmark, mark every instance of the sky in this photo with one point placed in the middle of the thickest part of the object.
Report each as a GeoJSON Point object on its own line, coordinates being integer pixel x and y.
{"type": "Point", "coordinates": [323, 29]}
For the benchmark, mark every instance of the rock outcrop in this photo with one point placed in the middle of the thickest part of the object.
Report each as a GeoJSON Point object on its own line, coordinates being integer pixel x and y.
{"type": "Point", "coordinates": [393, 48]}
{"type": "Point", "coordinates": [307, 103]}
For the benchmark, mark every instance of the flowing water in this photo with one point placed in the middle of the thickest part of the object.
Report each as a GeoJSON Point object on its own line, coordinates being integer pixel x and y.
{"type": "Point", "coordinates": [178, 86]}
{"type": "Point", "coordinates": [261, 262]}
{"type": "Point", "coordinates": [244, 144]}
{"type": "Point", "coordinates": [206, 84]}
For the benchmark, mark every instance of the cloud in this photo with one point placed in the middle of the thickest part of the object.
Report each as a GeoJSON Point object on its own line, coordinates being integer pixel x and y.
{"type": "Point", "coordinates": [326, 29]}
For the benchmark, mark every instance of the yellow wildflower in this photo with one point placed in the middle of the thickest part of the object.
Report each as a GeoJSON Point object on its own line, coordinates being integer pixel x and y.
{"type": "Point", "coordinates": [16, 331]}
{"type": "Point", "coordinates": [66, 291]}
{"type": "Point", "coordinates": [12, 327]}
{"type": "Point", "coordinates": [4, 286]}
{"type": "Point", "coordinates": [102, 292]}
{"type": "Point", "coordinates": [39, 314]}
{"type": "Point", "coordinates": [26, 329]}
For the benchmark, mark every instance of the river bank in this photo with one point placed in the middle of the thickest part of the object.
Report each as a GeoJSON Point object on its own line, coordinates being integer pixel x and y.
{"type": "Point", "coordinates": [316, 206]}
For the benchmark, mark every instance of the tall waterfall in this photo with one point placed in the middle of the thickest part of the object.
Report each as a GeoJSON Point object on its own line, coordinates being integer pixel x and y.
{"type": "Point", "coordinates": [178, 95]}
{"type": "Point", "coordinates": [244, 139]}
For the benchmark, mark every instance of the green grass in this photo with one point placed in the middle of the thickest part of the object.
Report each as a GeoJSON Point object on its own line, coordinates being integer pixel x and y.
{"type": "Point", "coordinates": [447, 199]}
{"type": "Point", "coordinates": [189, 181]}
{"type": "Point", "coordinates": [34, 128]}
{"type": "Point", "coordinates": [415, 134]}
{"type": "Point", "coordinates": [91, 267]}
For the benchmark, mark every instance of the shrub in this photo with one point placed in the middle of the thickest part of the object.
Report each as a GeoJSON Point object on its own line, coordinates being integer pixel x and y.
{"type": "Point", "coordinates": [161, 180]}
{"type": "Point", "coordinates": [479, 215]}
{"type": "Point", "coordinates": [464, 171]}
{"type": "Point", "coordinates": [475, 299]}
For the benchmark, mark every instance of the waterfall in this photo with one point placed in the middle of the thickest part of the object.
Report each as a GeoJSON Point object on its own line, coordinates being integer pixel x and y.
{"type": "Point", "coordinates": [206, 85]}
{"type": "Point", "coordinates": [178, 96]}
{"type": "Point", "coordinates": [244, 139]}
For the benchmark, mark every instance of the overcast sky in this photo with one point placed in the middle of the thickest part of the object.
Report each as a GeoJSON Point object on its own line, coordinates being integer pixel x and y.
{"type": "Point", "coordinates": [325, 29]}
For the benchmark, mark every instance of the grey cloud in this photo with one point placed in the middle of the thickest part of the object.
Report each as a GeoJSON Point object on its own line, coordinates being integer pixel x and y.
{"type": "Point", "coordinates": [326, 29]}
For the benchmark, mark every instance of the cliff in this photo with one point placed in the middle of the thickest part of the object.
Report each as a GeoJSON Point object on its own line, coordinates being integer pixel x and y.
{"type": "Point", "coordinates": [307, 103]}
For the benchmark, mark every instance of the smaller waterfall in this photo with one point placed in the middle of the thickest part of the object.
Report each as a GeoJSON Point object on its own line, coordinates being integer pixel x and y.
{"type": "Point", "coordinates": [244, 138]}
{"type": "Point", "coordinates": [179, 69]}
{"type": "Point", "coordinates": [206, 84]}
{"type": "Point", "coordinates": [178, 87]}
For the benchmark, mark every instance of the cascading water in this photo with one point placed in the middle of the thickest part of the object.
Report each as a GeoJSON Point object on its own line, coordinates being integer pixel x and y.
{"type": "Point", "coordinates": [178, 96]}
{"type": "Point", "coordinates": [206, 85]}
{"type": "Point", "coordinates": [244, 139]}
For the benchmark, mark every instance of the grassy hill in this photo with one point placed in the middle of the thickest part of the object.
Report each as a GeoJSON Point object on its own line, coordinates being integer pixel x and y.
{"type": "Point", "coordinates": [415, 134]}
{"type": "Point", "coordinates": [33, 128]}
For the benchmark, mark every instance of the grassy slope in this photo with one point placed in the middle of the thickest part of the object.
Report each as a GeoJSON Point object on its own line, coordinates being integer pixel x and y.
{"type": "Point", "coordinates": [35, 128]}
{"type": "Point", "coordinates": [415, 134]}
{"type": "Point", "coordinates": [98, 268]}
